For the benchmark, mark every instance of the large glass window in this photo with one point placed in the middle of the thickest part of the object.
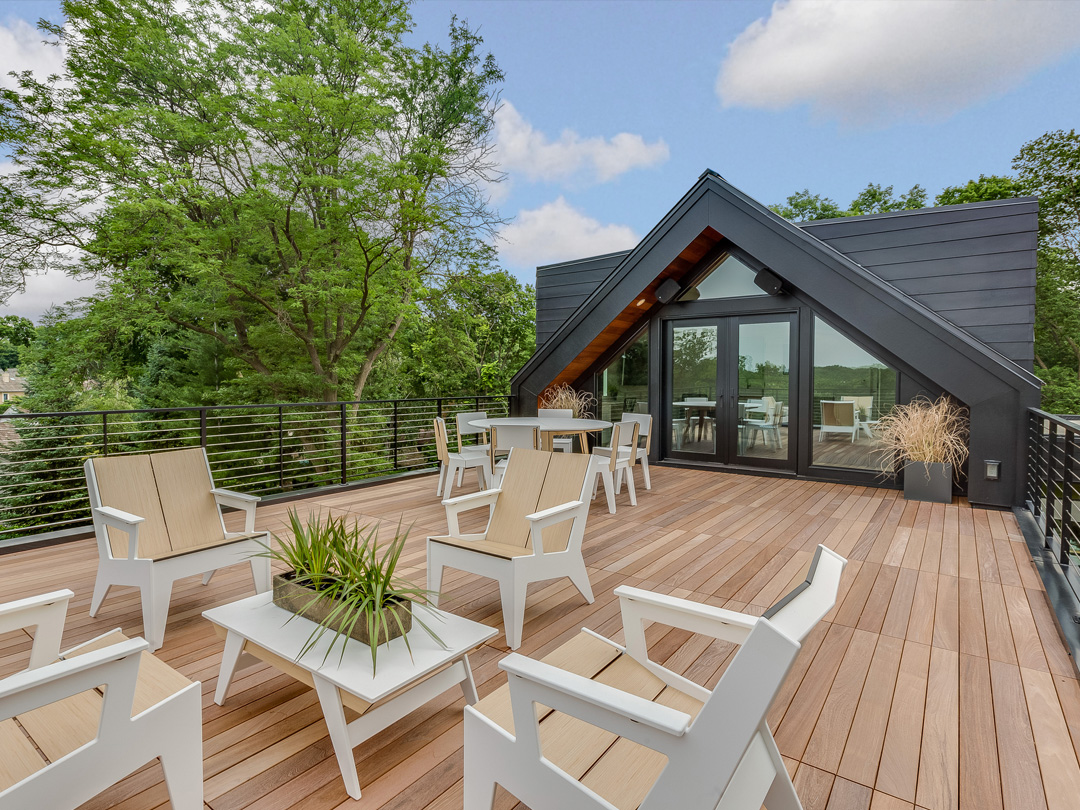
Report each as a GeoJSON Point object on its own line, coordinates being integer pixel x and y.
{"type": "Point", "coordinates": [623, 386]}
{"type": "Point", "coordinates": [852, 389]}
{"type": "Point", "coordinates": [728, 278]}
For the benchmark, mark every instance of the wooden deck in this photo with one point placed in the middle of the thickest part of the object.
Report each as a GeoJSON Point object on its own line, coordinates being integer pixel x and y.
{"type": "Point", "coordinates": [937, 682]}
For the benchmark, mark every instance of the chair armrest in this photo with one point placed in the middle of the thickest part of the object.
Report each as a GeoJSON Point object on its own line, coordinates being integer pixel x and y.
{"type": "Point", "coordinates": [47, 613]}
{"type": "Point", "coordinates": [238, 500]}
{"type": "Point", "coordinates": [115, 667]}
{"type": "Point", "coordinates": [125, 522]}
{"type": "Point", "coordinates": [463, 503]}
{"type": "Point", "coordinates": [533, 682]}
{"type": "Point", "coordinates": [538, 521]}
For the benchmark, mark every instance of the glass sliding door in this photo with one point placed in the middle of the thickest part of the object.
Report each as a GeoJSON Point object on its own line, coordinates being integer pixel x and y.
{"type": "Point", "coordinates": [728, 392]}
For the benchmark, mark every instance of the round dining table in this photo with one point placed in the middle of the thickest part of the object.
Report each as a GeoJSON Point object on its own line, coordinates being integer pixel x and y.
{"type": "Point", "coordinates": [548, 426]}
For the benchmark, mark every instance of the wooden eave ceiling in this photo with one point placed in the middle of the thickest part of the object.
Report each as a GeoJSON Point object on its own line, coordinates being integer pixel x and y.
{"type": "Point", "coordinates": [682, 266]}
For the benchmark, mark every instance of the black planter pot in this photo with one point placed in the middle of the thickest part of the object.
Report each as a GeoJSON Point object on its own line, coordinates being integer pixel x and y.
{"type": "Point", "coordinates": [928, 482]}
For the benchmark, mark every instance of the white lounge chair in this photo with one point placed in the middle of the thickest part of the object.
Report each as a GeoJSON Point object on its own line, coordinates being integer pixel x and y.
{"type": "Point", "coordinates": [157, 518]}
{"type": "Point", "coordinates": [599, 725]}
{"type": "Point", "coordinates": [534, 531]}
{"type": "Point", "coordinates": [72, 725]}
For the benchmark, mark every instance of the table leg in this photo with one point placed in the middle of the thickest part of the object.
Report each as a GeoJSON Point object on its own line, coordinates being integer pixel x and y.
{"type": "Point", "coordinates": [334, 714]}
{"type": "Point", "coordinates": [234, 648]}
{"type": "Point", "coordinates": [468, 685]}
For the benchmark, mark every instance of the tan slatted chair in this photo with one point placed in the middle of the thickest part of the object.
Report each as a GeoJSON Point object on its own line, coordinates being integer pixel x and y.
{"type": "Point", "coordinates": [158, 519]}
{"type": "Point", "coordinates": [618, 458]}
{"type": "Point", "coordinates": [455, 464]}
{"type": "Point", "coordinates": [598, 725]}
{"type": "Point", "coordinates": [534, 531]}
{"type": "Point", "coordinates": [839, 416]}
{"type": "Point", "coordinates": [72, 725]}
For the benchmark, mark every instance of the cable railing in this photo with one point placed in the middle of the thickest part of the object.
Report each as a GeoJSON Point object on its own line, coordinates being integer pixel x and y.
{"type": "Point", "coordinates": [258, 449]}
{"type": "Point", "coordinates": [1053, 487]}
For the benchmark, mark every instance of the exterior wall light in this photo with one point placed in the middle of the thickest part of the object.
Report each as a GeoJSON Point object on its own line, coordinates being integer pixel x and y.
{"type": "Point", "coordinates": [993, 470]}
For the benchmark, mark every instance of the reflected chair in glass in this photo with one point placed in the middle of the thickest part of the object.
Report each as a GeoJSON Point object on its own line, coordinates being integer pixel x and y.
{"type": "Point", "coordinates": [865, 408]}
{"type": "Point", "coordinates": [839, 416]}
{"type": "Point", "coordinates": [769, 426]}
{"type": "Point", "coordinates": [563, 443]}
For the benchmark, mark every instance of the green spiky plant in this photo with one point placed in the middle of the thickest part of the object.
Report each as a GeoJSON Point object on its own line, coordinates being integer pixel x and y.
{"type": "Point", "coordinates": [346, 564]}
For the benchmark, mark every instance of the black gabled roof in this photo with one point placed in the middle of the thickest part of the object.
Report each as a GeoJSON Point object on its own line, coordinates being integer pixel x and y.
{"type": "Point", "coordinates": [908, 329]}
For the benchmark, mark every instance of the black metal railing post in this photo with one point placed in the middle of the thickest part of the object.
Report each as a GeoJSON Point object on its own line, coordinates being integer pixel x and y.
{"type": "Point", "coordinates": [1050, 519]}
{"type": "Point", "coordinates": [105, 433]}
{"type": "Point", "coordinates": [1066, 497]}
{"type": "Point", "coordinates": [280, 447]}
{"type": "Point", "coordinates": [344, 453]}
{"type": "Point", "coordinates": [394, 435]}
{"type": "Point", "coordinates": [202, 426]}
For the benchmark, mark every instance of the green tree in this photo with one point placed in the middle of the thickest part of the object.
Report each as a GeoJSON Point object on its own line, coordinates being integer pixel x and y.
{"type": "Point", "coordinates": [15, 332]}
{"type": "Point", "coordinates": [874, 199]}
{"type": "Point", "coordinates": [1049, 167]}
{"type": "Point", "coordinates": [281, 180]}
{"type": "Point", "coordinates": [987, 187]}
{"type": "Point", "coordinates": [802, 206]}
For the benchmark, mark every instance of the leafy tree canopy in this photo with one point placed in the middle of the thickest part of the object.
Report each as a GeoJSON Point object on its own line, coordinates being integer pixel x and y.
{"type": "Point", "coordinates": [874, 199]}
{"type": "Point", "coordinates": [1049, 167]}
{"type": "Point", "coordinates": [987, 187]}
{"type": "Point", "coordinates": [282, 181]}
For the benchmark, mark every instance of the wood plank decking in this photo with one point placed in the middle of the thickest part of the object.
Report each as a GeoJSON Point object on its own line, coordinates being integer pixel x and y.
{"type": "Point", "coordinates": [937, 682]}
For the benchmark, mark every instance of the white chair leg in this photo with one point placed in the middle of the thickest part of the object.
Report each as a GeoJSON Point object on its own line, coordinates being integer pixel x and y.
{"type": "Point", "coordinates": [580, 577]}
{"type": "Point", "coordinates": [630, 486]}
{"type": "Point", "coordinates": [512, 595]}
{"type": "Point", "coordinates": [618, 480]}
{"type": "Point", "coordinates": [609, 489]}
{"type": "Point", "coordinates": [434, 577]}
{"type": "Point", "coordinates": [155, 607]}
{"type": "Point", "coordinates": [645, 471]}
{"type": "Point", "coordinates": [781, 795]}
{"type": "Point", "coordinates": [209, 575]}
{"type": "Point", "coordinates": [260, 573]}
{"type": "Point", "coordinates": [182, 762]}
{"type": "Point", "coordinates": [442, 477]}
{"type": "Point", "coordinates": [101, 590]}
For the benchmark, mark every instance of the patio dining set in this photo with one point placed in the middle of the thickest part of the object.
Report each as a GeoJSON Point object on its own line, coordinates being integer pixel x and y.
{"type": "Point", "coordinates": [618, 729]}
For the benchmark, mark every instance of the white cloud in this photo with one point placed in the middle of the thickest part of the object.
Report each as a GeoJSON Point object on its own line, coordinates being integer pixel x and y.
{"type": "Point", "coordinates": [869, 63]}
{"type": "Point", "coordinates": [523, 150]}
{"type": "Point", "coordinates": [44, 291]}
{"type": "Point", "coordinates": [556, 231]}
{"type": "Point", "coordinates": [23, 48]}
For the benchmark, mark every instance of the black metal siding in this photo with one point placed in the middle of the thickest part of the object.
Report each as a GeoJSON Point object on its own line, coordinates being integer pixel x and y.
{"type": "Point", "coordinates": [972, 264]}
{"type": "Point", "coordinates": [561, 289]}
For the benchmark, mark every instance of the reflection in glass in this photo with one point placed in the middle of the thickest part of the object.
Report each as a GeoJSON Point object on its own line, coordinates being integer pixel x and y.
{"type": "Point", "coordinates": [623, 386]}
{"type": "Point", "coordinates": [852, 389]}
{"type": "Point", "coordinates": [693, 389]}
{"type": "Point", "coordinates": [728, 278]}
{"type": "Point", "coordinates": [764, 388]}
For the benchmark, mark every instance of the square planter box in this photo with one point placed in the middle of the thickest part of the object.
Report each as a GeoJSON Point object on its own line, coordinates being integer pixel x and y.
{"type": "Point", "coordinates": [928, 482]}
{"type": "Point", "coordinates": [306, 602]}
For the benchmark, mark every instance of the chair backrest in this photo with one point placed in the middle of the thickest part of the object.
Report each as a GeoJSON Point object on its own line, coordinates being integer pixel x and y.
{"type": "Point", "coordinates": [644, 421]}
{"type": "Point", "coordinates": [769, 403]}
{"type": "Point", "coordinates": [837, 414]}
{"type": "Point", "coordinates": [623, 434]}
{"type": "Point", "coordinates": [170, 490]}
{"type": "Point", "coordinates": [559, 413]}
{"type": "Point", "coordinates": [535, 480]}
{"type": "Point", "coordinates": [506, 437]}
{"type": "Point", "coordinates": [864, 404]}
{"type": "Point", "coordinates": [777, 414]}
{"type": "Point", "coordinates": [442, 442]}
{"type": "Point", "coordinates": [466, 429]}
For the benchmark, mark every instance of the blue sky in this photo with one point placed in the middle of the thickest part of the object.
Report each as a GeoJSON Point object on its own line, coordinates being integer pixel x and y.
{"type": "Point", "coordinates": [611, 110]}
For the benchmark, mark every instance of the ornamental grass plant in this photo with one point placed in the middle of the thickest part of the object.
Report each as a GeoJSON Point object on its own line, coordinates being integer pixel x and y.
{"type": "Point", "coordinates": [346, 567]}
{"type": "Point", "coordinates": [565, 396]}
{"type": "Point", "coordinates": [926, 432]}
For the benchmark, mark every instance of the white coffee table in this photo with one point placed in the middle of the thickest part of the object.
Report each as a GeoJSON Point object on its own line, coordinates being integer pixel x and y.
{"type": "Point", "coordinates": [257, 630]}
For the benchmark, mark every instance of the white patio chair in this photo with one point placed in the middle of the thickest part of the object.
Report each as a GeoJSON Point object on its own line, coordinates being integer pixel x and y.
{"type": "Point", "coordinates": [157, 517]}
{"type": "Point", "coordinates": [644, 421]}
{"type": "Point", "coordinates": [598, 725]}
{"type": "Point", "coordinates": [451, 464]}
{"type": "Point", "coordinates": [465, 428]}
{"type": "Point", "coordinates": [839, 416]}
{"type": "Point", "coordinates": [505, 438]}
{"type": "Point", "coordinates": [624, 437]}
{"type": "Point", "coordinates": [73, 725]}
{"type": "Point", "coordinates": [768, 427]}
{"type": "Point", "coordinates": [564, 444]}
{"type": "Point", "coordinates": [534, 531]}
{"type": "Point", "coordinates": [864, 407]}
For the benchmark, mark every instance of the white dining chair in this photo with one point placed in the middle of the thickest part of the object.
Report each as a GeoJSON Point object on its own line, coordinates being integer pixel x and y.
{"type": "Point", "coordinates": [505, 438]}
{"type": "Point", "coordinates": [455, 464]}
{"type": "Point", "coordinates": [620, 459]}
{"type": "Point", "coordinates": [563, 443]}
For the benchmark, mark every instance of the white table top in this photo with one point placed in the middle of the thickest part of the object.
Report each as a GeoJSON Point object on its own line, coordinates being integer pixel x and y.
{"type": "Point", "coordinates": [696, 403]}
{"type": "Point", "coordinates": [260, 621]}
{"type": "Point", "coordinates": [562, 424]}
